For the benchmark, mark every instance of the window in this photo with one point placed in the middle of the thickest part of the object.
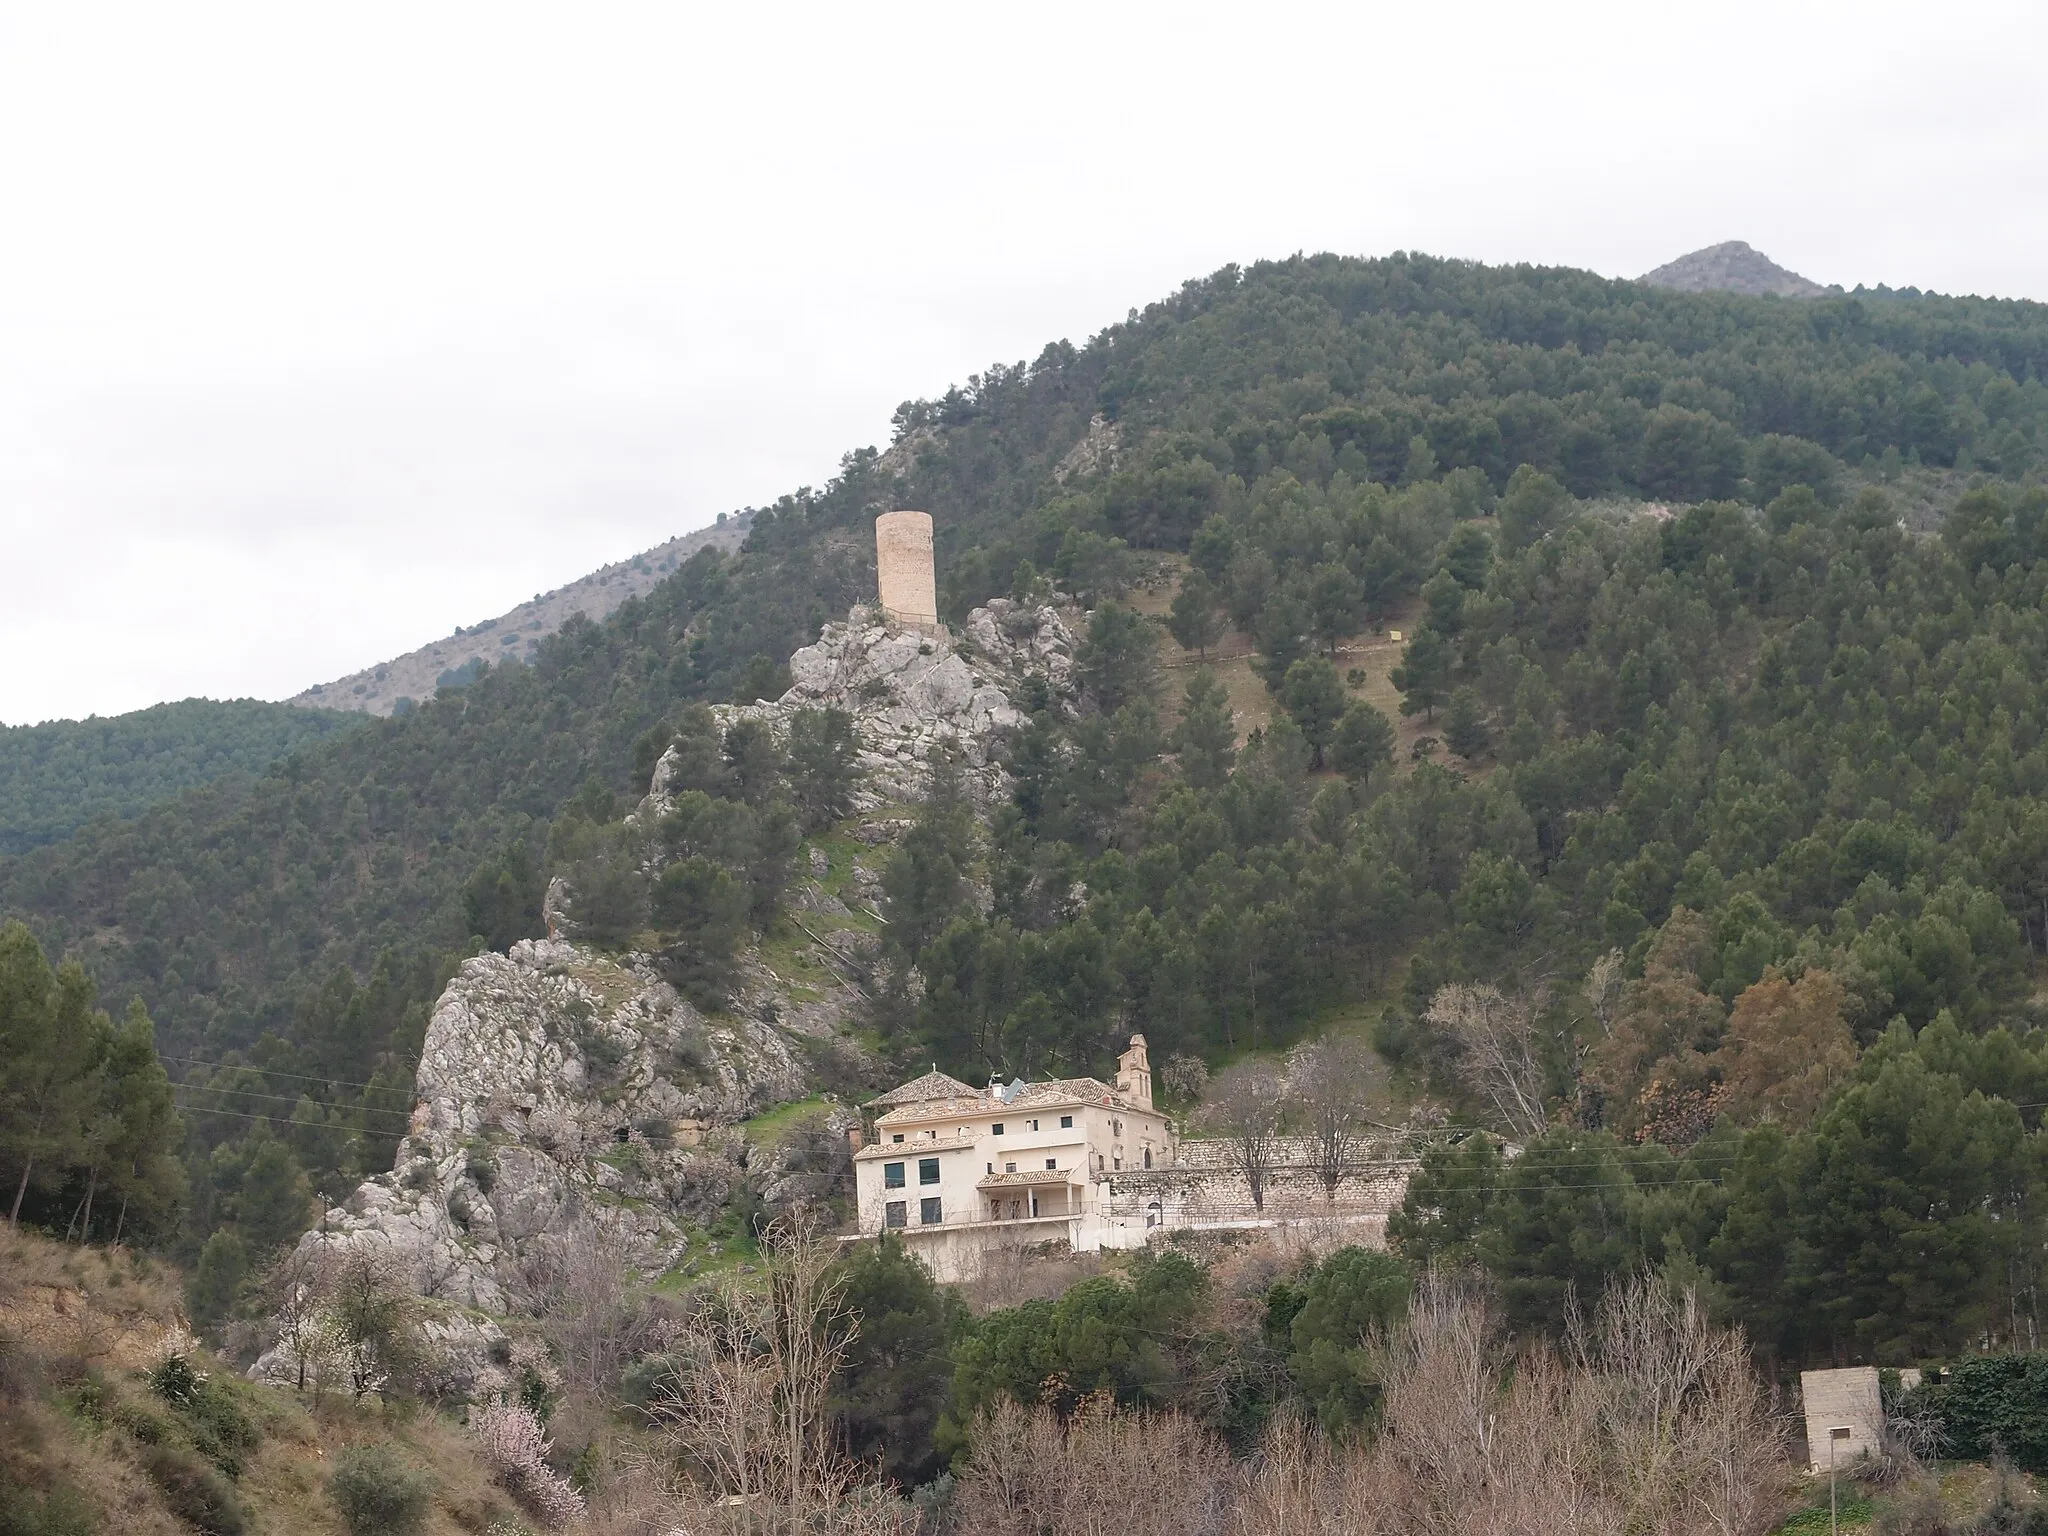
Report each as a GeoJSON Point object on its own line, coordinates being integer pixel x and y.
{"type": "Point", "coordinates": [1116, 1127]}
{"type": "Point", "coordinates": [1052, 1162]}
{"type": "Point", "coordinates": [996, 1129]}
{"type": "Point", "coordinates": [1066, 1122]}
{"type": "Point", "coordinates": [1009, 1167]}
{"type": "Point", "coordinates": [898, 1136]}
{"type": "Point", "coordinates": [928, 1210]}
{"type": "Point", "coordinates": [1148, 1157]}
{"type": "Point", "coordinates": [892, 1175]}
{"type": "Point", "coordinates": [895, 1214]}
{"type": "Point", "coordinates": [927, 1170]}
{"type": "Point", "coordinates": [1033, 1124]}
{"type": "Point", "coordinates": [991, 1167]}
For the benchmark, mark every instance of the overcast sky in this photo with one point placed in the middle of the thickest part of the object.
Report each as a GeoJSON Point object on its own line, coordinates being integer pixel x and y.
{"type": "Point", "coordinates": [326, 329]}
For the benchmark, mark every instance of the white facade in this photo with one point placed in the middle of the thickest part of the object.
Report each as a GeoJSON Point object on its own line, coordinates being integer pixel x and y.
{"type": "Point", "coordinates": [957, 1171]}
{"type": "Point", "coordinates": [954, 1169]}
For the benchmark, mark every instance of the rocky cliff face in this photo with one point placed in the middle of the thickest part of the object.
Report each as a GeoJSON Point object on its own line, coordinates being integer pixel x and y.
{"type": "Point", "coordinates": [558, 1084]}
{"type": "Point", "coordinates": [911, 695]}
{"type": "Point", "coordinates": [555, 1080]}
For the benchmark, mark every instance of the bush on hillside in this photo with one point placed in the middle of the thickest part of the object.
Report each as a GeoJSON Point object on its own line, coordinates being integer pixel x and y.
{"type": "Point", "coordinates": [377, 1493]}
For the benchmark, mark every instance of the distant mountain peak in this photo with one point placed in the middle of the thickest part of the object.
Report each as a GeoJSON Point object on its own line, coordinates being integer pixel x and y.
{"type": "Point", "coordinates": [1733, 266]}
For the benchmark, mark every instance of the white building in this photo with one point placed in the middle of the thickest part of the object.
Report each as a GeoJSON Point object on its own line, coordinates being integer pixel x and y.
{"type": "Point", "coordinates": [955, 1169]}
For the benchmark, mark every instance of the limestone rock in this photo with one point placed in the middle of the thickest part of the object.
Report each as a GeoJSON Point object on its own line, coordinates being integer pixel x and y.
{"type": "Point", "coordinates": [912, 693]}
{"type": "Point", "coordinates": [553, 1082]}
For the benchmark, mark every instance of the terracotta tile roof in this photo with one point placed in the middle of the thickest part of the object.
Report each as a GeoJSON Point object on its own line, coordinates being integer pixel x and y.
{"type": "Point", "coordinates": [929, 1109]}
{"type": "Point", "coordinates": [1070, 1090]}
{"type": "Point", "coordinates": [933, 1085]}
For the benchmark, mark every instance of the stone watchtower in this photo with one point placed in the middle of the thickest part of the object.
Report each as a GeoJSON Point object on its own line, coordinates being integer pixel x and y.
{"type": "Point", "coordinates": [903, 570]}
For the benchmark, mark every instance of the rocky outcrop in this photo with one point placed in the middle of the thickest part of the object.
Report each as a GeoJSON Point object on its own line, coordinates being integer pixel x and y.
{"type": "Point", "coordinates": [558, 1085]}
{"type": "Point", "coordinates": [554, 1081]}
{"type": "Point", "coordinates": [1734, 266]}
{"type": "Point", "coordinates": [912, 695]}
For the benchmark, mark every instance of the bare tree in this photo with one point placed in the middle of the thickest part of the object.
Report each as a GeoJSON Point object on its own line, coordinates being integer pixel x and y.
{"type": "Point", "coordinates": [1134, 1474]}
{"type": "Point", "coordinates": [579, 1283]}
{"type": "Point", "coordinates": [1604, 981]}
{"type": "Point", "coordinates": [1245, 1108]}
{"type": "Point", "coordinates": [1498, 1053]}
{"type": "Point", "coordinates": [297, 1292]}
{"type": "Point", "coordinates": [747, 1412]}
{"type": "Point", "coordinates": [1328, 1081]}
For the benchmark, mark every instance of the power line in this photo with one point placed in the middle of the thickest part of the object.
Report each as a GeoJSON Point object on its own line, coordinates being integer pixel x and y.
{"type": "Point", "coordinates": [286, 1098]}
{"type": "Point", "coordinates": [202, 1109]}
{"type": "Point", "coordinates": [250, 1066]}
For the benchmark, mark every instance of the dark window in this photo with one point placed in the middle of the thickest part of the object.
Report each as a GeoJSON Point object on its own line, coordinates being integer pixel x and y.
{"type": "Point", "coordinates": [928, 1210]}
{"type": "Point", "coordinates": [1066, 1122]}
{"type": "Point", "coordinates": [896, 1214]}
{"type": "Point", "coordinates": [1052, 1162]}
{"type": "Point", "coordinates": [927, 1170]}
{"type": "Point", "coordinates": [1148, 1157]}
{"type": "Point", "coordinates": [897, 1137]}
{"type": "Point", "coordinates": [1009, 1167]}
{"type": "Point", "coordinates": [1034, 1125]}
{"type": "Point", "coordinates": [892, 1175]}
{"type": "Point", "coordinates": [996, 1129]}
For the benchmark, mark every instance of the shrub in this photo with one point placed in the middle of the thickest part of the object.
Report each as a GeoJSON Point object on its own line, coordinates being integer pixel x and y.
{"type": "Point", "coordinates": [1990, 1401]}
{"type": "Point", "coordinates": [376, 1493]}
{"type": "Point", "coordinates": [59, 1512]}
{"type": "Point", "coordinates": [193, 1491]}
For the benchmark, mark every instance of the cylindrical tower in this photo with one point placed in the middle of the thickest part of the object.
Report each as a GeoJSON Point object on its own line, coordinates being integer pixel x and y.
{"type": "Point", "coordinates": [903, 570]}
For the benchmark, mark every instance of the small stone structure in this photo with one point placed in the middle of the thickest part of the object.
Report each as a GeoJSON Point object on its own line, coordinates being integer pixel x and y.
{"type": "Point", "coordinates": [1841, 1399]}
{"type": "Point", "coordinates": [903, 570]}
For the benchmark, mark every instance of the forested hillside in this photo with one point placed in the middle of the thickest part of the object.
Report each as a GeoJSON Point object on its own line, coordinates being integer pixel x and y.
{"type": "Point", "coordinates": [57, 776]}
{"type": "Point", "coordinates": [1806, 735]}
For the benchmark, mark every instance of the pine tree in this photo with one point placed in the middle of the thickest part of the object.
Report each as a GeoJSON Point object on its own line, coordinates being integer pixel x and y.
{"type": "Point", "coordinates": [136, 1131]}
{"type": "Point", "coordinates": [1312, 694]}
{"type": "Point", "coordinates": [1197, 618]}
{"type": "Point", "coordinates": [50, 1046]}
{"type": "Point", "coordinates": [1206, 737]}
{"type": "Point", "coordinates": [1424, 673]}
{"type": "Point", "coordinates": [1465, 725]}
{"type": "Point", "coordinates": [1364, 742]}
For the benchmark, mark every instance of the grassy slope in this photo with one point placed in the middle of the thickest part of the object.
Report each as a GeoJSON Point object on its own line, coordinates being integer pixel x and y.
{"type": "Point", "coordinates": [82, 1326]}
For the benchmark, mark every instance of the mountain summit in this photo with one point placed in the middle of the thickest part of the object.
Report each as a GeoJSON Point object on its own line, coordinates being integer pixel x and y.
{"type": "Point", "coordinates": [1734, 266]}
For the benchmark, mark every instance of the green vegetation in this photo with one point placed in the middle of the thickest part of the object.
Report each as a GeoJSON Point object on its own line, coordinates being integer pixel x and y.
{"type": "Point", "coordinates": [1768, 737]}
{"type": "Point", "coordinates": [56, 777]}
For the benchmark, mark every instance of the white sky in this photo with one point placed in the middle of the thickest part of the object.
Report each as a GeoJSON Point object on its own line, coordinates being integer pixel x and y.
{"type": "Point", "coordinates": [326, 329]}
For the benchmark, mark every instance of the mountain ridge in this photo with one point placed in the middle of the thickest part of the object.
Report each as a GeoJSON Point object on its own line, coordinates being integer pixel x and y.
{"type": "Point", "coordinates": [394, 686]}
